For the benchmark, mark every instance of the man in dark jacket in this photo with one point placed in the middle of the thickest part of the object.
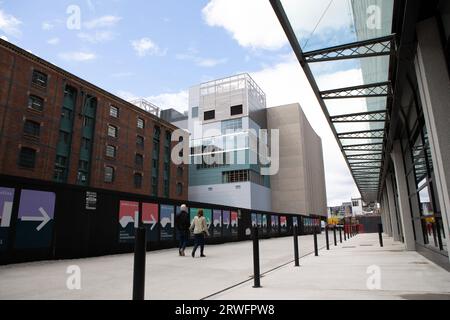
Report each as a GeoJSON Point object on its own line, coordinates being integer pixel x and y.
{"type": "Point", "coordinates": [182, 225]}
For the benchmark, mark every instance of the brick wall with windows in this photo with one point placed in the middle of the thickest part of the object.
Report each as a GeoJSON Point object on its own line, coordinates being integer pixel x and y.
{"type": "Point", "coordinates": [34, 126]}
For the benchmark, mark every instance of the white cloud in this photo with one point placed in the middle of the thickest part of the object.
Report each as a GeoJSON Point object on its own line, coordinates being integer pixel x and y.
{"type": "Point", "coordinates": [208, 62]}
{"type": "Point", "coordinates": [253, 23]}
{"type": "Point", "coordinates": [4, 38]}
{"type": "Point", "coordinates": [53, 41]}
{"type": "Point", "coordinates": [9, 24]}
{"type": "Point", "coordinates": [78, 56]}
{"type": "Point", "coordinates": [102, 22]}
{"type": "Point", "coordinates": [46, 26]}
{"type": "Point", "coordinates": [96, 36]}
{"type": "Point", "coordinates": [90, 5]}
{"type": "Point", "coordinates": [145, 46]}
{"type": "Point", "coordinates": [177, 100]}
{"type": "Point", "coordinates": [192, 55]}
{"type": "Point", "coordinates": [126, 95]}
{"type": "Point", "coordinates": [286, 83]}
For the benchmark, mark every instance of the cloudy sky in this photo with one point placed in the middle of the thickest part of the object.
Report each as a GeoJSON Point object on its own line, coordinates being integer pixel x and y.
{"type": "Point", "coordinates": [158, 49]}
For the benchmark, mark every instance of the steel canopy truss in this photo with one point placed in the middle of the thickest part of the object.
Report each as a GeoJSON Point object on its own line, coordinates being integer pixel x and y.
{"type": "Point", "coordinates": [365, 156]}
{"type": "Point", "coordinates": [381, 89]}
{"type": "Point", "coordinates": [364, 147]}
{"type": "Point", "coordinates": [368, 119]}
{"type": "Point", "coordinates": [367, 134]}
{"type": "Point", "coordinates": [371, 48]}
{"type": "Point", "coordinates": [374, 116]}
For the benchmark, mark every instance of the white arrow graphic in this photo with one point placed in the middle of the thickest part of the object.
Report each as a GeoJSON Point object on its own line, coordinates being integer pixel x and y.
{"type": "Point", "coordinates": [45, 219]}
{"type": "Point", "coordinates": [152, 221]}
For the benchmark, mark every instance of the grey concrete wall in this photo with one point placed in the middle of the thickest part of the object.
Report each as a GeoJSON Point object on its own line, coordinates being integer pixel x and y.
{"type": "Point", "coordinates": [434, 88]}
{"type": "Point", "coordinates": [299, 185]}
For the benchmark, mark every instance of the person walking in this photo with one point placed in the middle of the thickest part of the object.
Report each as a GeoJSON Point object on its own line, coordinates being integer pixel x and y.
{"type": "Point", "coordinates": [200, 231]}
{"type": "Point", "coordinates": [182, 226]}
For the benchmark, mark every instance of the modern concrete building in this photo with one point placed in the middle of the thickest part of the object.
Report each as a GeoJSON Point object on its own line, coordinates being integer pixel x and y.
{"type": "Point", "coordinates": [225, 117]}
{"type": "Point", "coordinates": [57, 127]}
{"type": "Point", "coordinates": [175, 117]}
{"type": "Point", "coordinates": [357, 206]}
{"type": "Point", "coordinates": [393, 122]}
{"type": "Point", "coordinates": [299, 185]}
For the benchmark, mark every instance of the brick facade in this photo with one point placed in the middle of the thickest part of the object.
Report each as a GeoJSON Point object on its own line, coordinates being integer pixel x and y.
{"type": "Point", "coordinates": [16, 72]}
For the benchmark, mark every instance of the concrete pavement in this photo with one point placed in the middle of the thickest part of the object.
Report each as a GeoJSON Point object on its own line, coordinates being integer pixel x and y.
{"type": "Point", "coordinates": [168, 276]}
{"type": "Point", "coordinates": [349, 272]}
{"type": "Point", "coordinates": [340, 273]}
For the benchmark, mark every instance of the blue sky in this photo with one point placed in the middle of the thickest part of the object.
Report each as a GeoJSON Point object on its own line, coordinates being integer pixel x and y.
{"type": "Point", "coordinates": [157, 49]}
{"type": "Point", "coordinates": [189, 51]}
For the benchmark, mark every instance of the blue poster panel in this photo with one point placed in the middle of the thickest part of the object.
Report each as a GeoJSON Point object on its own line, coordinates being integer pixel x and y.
{"type": "Point", "coordinates": [254, 220]}
{"type": "Point", "coordinates": [295, 221]}
{"type": "Point", "coordinates": [226, 222]}
{"type": "Point", "coordinates": [6, 205]}
{"type": "Point", "coordinates": [167, 222]}
{"type": "Point", "coordinates": [265, 230]}
{"type": "Point", "coordinates": [217, 223]}
{"type": "Point", "coordinates": [274, 224]}
{"type": "Point", "coordinates": [35, 219]}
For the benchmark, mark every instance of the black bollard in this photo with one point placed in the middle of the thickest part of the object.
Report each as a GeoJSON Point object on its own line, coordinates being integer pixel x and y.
{"type": "Point", "coordinates": [139, 264]}
{"type": "Point", "coordinates": [256, 274]}
{"type": "Point", "coordinates": [340, 234]}
{"type": "Point", "coordinates": [345, 233]}
{"type": "Point", "coordinates": [316, 250]}
{"type": "Point", "coordinates": [380, 233]}
{"type": "Point", "coordinates": [296, 256]}
{"type": "Point", "coordinates": [334, 235]}
{"type": "Point", "coordinates": [326, 237]}
{"type": "Point", "coordinates": [438, 231]}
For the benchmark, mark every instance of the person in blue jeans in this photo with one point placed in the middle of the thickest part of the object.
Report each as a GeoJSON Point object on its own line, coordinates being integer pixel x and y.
{"type": "Point", "coordinates": [182, 225]}
{"type": "Point", "coordinates": [200, 229]}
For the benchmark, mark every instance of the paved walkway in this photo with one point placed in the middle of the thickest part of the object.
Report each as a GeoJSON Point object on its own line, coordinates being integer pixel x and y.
{"type": "Point", "coordinates": [336, 274]}
{"type": "Point", "coordinates": [168, 276]}
{"type": "Point", "coordinates": [344, 271]}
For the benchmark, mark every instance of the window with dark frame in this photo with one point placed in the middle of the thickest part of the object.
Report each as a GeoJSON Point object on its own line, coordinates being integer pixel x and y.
{"type": "Point", "coordinates": [140, 141]}
{"type": "Point", "coordinates": [27, 157]}
{"type": "Point", "coordinates": [35, 103]}
{"type": "Point", "coordinates": [137, 180]}
{"type": "Point", "coordinates": [63, 137]}
{"type": "Point", "coordinates": [83, 165]}
{"type": "Point", "coordinates": [140, 123]}
{"type": "Point", "coordinates": [194, 112]}
{"type": "Point", "coordinates": [32, 128]}
{"type": "Point", "coordinates": [209, 115]}
{"type": "Point", "coordinates": [235, 110]}
{"type": "Point", "coordinates": [114, 111]}
{"type": "Point", "coordinates": [112, 131]}
{"type": "Point", "coordinates": [40, 78]}
{"type": "Point", "coordinates": [179, 189]}
{"type": "Point", "coordinates": [85, 143]}
{"type": "Point", "coordinates": [88, 121]}
{"type": "Point", "coordinates": [109, 174]}
{"type": "Point", "coordinates": [111, 151]}
{"type": "Point", "coordinates": [180, 172]}
{"type": "Point", "coordinates": [139, 160]}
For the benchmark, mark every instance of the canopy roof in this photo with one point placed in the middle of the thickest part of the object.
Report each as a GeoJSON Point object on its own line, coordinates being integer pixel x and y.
{"type": "Point", "coordinates": [346, 60]}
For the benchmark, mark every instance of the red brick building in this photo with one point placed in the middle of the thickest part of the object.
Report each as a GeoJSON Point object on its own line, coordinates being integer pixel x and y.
{"type": "Point", "coordinates": [55, 126]}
